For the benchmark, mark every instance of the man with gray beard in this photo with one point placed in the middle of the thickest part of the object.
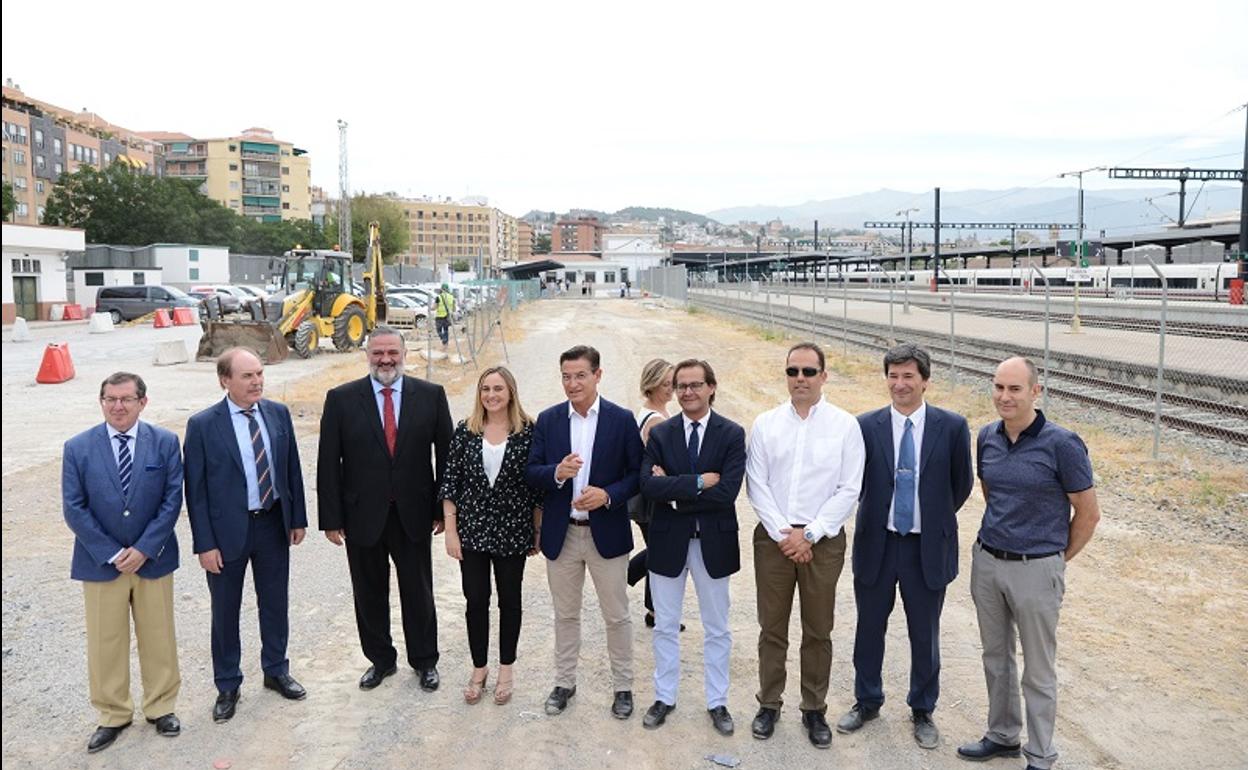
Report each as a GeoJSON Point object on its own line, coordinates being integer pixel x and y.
{"type": "Point", "coordinates": [384, 441]}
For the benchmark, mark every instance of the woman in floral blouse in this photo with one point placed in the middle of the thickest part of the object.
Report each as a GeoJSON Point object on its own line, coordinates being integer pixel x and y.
{"type": "Point", "coordinates": [492, 519]}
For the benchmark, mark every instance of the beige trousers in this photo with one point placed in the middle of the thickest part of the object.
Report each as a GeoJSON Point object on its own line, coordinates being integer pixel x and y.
{"type": "Point", "coordinates": [109, 607]}
{"type": "Point", "coordinates": [566, 576]}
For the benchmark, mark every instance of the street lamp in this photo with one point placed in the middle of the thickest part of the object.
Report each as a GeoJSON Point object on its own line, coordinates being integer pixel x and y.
{"type": "Point", "coordinates": [909, 248]}
{"type": "Point", "coordinates": [1075, 325]}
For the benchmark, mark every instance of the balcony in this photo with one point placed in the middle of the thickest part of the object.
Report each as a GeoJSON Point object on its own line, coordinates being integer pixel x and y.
{"type": "Point", "coordinates": [267, 157]}
{"type": "Point", "coordinates": [261, 188]}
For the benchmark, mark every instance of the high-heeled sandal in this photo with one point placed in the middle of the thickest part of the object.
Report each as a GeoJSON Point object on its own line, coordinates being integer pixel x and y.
{"type": "Point", "coordinates": [474, 689]}
{"type": "Point", "coordinates": [503, 689]}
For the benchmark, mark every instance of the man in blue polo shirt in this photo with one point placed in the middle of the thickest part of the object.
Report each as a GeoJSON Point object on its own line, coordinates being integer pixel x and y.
{"type": "Point", "coordinates": [1032, 473]}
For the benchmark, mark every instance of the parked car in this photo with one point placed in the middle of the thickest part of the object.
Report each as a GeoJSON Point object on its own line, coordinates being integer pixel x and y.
{"type": "Point", "coordinates": [125, 303]}
{"type": "Point", "coordinates": [406, 311]}
{"type": "Point", "coordinates": [230, 303]}
{"type": "Point", "coordinates": [255, 292]}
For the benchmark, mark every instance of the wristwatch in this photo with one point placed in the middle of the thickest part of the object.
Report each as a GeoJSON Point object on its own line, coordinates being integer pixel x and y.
{"type": "Point", "coordinates": [701, 482]}
{"type": "Point", "coordinates": [810, 536]}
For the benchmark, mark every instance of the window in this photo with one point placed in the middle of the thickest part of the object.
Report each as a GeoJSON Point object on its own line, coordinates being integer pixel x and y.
{"type": "Point", "coordinates": [39, 186]}
{"type": "Point", "coordinates": [233, 166]}
{"type": "Point", "coordinates": [40, 211]}
{"type": "Point", "coordinates": [285, 205]}
{"type": "Point", "coordinates": [26, 265]}
{"type": "Point", "coordinates": [194, 273]}
{"type": "Point", "coordinates": [59, 169]}
{"type": "Point", "coordinates": [194, 255]}
{"type": "Point", "coordinates": [93, 279]}
{"type": "Point", "coordinates": [233, 185]}
{"type": "Point", "coordinates": [285, 170]}
{"type": "Point", "coordinates": [108, 158]}
{"type": "Point", "coordinates": [19, 156]}
{"type": "Point", "coordinates": [38, 137]}
{"type": "Point", "coordinates": [139, 278]}
{"type": "Point", "coordinates": [57, 147]}
{"type": "Point", "coordinates": [285, 188]}
{"type": "Point", "coordinates": [233, 148]}
{"type": "Point", "coordinates": [19, 182]}
{"type": "Point", "coordinates": [40, 163]}
{"type": "Point", "coordinates": [608, 277]}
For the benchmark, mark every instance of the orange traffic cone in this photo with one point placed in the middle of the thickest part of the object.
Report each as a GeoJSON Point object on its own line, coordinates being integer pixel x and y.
{"type": "Point", "coordinates": [184, 316]}
{"type": "Point", "coordinates": [162, 319]}
{"type": "Point", "coordinates": [57, 365]}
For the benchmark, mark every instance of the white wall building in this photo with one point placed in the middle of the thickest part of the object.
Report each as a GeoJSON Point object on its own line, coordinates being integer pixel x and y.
{"type": "Point", "coordinates": [632, 252]}
{"type": "Point", "coordinates": [187, 265]}
{"type": "Point", "coordinates": [34, 268]}
{"type": "Point", "coordinates": [87, 281]}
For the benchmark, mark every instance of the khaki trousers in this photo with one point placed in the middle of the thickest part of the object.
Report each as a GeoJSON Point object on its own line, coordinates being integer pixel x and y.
{"type": "Point", "coordinates": [566, 576]}
{"type": "Point", "coordinates": [109, 607]}
{"type": "Point", "coordinates": [776, 576]}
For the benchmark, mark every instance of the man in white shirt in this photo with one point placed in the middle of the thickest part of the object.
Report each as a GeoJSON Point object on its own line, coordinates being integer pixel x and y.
{"type": "Point", "coordinates": [804, 471]}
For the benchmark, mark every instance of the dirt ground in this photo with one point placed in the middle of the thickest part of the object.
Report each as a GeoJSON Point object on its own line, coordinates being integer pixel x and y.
{"type": "Point", "coordinates": [1152, 652]}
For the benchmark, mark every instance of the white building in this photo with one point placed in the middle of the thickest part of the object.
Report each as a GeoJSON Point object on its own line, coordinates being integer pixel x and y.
{"type": "Point", "coordinates": [186, 265]}
{"type": "Point", "coordinates": [632, 252]}
{"type": "Point", "coordinates": [34, 268]}
{"type": "Point", "coordinates": [88, 281]}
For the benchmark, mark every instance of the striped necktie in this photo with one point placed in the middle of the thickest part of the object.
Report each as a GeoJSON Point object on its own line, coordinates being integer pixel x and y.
{"type": "Point", "coordinates": [124, 463]}
{"type": "Point", "coordinates": [264, 479]}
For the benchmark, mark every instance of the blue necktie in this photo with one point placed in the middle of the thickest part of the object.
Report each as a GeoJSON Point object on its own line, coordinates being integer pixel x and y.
{"type": "Point", "coordinates": [693, 447]}
{"type": "Point", "coordinates": [264, 479]}
{"type": "Point", "coordinates": [903, 491]}
{"type": "Point", "coordinates": [124, 463]}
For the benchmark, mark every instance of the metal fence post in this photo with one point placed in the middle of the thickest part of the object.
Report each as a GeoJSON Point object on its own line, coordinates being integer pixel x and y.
{"type": "Point", "coordinates": [812, 312]}
{"type": "Point", "coordinates": [953, 351]}
{"type": "Point", "coordinates": [892, 335]}
{"type": "Point", "coordinates": [1161, 357]}
{"type": "Point", "coordinates": [770, 323]}
{"type": "Point", "coordinates": [845, 312]}
{"type": "Point", "coordinates": [1045, 398]}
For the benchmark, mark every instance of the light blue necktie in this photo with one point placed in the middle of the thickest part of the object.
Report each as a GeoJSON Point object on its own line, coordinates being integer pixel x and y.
{"type": "Point", "coordinates": [903, 490]}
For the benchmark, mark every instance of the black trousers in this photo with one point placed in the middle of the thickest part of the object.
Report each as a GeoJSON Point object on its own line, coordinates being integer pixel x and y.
{"type": "Point", "coordinates": [370, 584]}
{"type": "Point", "coordinates": [637, 570]}
{"type": "Point", "coordinates": [474, 571]}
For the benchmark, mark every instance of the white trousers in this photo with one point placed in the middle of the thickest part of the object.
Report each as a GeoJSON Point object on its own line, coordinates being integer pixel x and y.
{"type": "Point", "coordinates": [669, 595]}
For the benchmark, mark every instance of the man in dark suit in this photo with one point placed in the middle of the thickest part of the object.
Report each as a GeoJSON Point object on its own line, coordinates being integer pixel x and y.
{"type": "Point", "coordinates": [244, 497]}
{"type": "Point", "coordinates": [693, 469]}
{"type": "Point", "coordinates": [918, 474]}
{"type": "Point", "coordinates": [384, 441]}
{"type": "Point", "coordinates": [586, 456]}
{"type": "Point", "coordinates": [121, 489]}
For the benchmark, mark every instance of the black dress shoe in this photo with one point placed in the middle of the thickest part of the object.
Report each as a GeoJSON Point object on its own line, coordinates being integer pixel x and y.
{"type": "Point", "coordinates": [722, 720]}
{"type": "Point", "coordinates": [986, 748]}
{"type": "Point", "coordinates": [764, 723]}
{"type": "Point", "coordinates": [558, 700]}
{"type": "Point", "coordinates": [817, 729]}
{"type": "Point", "coordinates": [223, 709]}
{"type": "Point", "coordinates": [856, 717]}
{"type": "Point", "coordinates": [429, 679]}
{"type": "Point", "coordinates": [103, 737]}
{"type": "Point", "coordinates": [656, 715]}
{"type": "Point", "coordinates": [168, 725]}
{"type": "Point", "coordinates": [622, 707]}
{"type": "Point", "coordinates": [925, 732]}
{"type": "Point", "coordinates": [372, 677]}
{"type": "Point", "coordinates": [286, 685]}
{"type": "Point", "coordinates": [650, 621]}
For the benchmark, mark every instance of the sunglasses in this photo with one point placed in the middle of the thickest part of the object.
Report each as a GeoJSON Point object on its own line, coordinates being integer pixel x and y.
{"type": "Point", "coordinates": [806, 371]}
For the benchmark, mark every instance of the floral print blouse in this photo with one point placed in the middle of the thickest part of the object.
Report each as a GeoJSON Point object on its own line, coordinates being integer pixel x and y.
{"type": "Point", "coordinates": [491, 519]}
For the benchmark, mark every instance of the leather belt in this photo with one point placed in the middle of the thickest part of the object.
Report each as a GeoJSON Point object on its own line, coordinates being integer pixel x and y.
{"type": "Point", "coordinates": [578, 522]}
{"type": "Point", "coordinates": [1010, 555]}
{"type": "Point", "coordinates": [261, 511]}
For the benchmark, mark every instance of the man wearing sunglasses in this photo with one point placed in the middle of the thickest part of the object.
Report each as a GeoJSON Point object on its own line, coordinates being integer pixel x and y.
{"type": "Point", "coordinates": [804, 470]}
{"type": "Point", "coordinates": [918, 475]}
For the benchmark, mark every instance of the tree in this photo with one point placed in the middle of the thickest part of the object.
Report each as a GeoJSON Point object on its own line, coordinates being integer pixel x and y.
{"type": "Point", "coordinates": [395, 236]}
{"type": "Point", "coordinates": [541, 244]}
{"type": "Point", "coordinates": [461, 266]}
{"type": "Point", "coordinates": [10, 201]}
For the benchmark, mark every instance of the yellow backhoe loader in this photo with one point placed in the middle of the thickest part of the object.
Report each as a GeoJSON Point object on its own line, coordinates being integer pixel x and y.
{"type": "Point", "coordinates": [313, 300]}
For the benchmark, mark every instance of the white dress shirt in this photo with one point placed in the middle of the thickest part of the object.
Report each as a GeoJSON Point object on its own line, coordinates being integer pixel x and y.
{"type": "Point", "coordinates": [396, 397]}
{"type": "Point", "coordinates": [701, 430]}
{"type": "Point", "coordinates": [805, 472]}
{"type": "Point", "coordinates": [583, 430]}
{"type": "Point", "coordinates": [492, 458]}
{"type": "Point", "coordinates": [899, 428]}
{"type": "Point", "coordinates": [242, 433]}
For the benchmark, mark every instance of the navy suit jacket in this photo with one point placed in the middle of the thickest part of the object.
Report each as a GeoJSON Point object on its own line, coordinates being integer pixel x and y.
{"type": "Point", "coordinates": [945, 481]}
{"type": "Point", "coordinates": [614, 468]}
{"type": "Point", "coordinates": [104, 522]}
{"type": "Point", "coordinates": [721, 450]}
{"type": "Point", "coordinates": [216, 489]}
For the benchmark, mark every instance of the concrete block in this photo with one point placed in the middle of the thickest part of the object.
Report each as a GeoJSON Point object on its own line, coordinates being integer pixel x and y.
{"type": "Point", "coordinates": [21, 332]}
{"type": "Point", "coordinates": [171, 352]}
{"type": "Point", "coordinates": [100, 323]}
{"type": "Point", "coordinates": [57, 313]}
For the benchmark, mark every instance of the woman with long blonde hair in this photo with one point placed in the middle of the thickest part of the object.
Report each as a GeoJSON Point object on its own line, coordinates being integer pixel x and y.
{"type": "Point", "coordinates": [493, 519]}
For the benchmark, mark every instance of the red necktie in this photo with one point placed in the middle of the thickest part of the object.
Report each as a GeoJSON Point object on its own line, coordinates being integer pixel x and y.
{"type": "Point", "coordinates": [388, 422]}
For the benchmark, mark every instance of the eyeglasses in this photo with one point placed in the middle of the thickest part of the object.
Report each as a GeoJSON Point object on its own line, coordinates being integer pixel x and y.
{"type": "Point", "coordinates": [114, 400]}
{"type": "Point", "coordinates": [691, 386]}
{"type": "Point", "coordinates": [806, 371]}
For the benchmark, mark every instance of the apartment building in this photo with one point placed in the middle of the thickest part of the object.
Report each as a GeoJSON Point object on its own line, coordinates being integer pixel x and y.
{"type": "Point", "coordinates": [524, 240]}
{"type": "Point", "coordinates": [42, 141]}
{"type": "Point", "coordinates": [583, 234]}
{"type": "Point", "coordinates": [253, 174]}
{"type": "Point", "coordinates": [445, 231]}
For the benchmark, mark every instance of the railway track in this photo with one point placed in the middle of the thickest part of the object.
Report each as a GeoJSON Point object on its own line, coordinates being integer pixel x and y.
{"type": "Point", "coordinates": [1187, 329]}
{"type": "Point", "coordinates": [1221, 419]}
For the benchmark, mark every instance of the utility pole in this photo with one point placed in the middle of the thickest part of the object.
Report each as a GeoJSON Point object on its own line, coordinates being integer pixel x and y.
{"type": "Point", "coordinates": [905, 287]}
{"type": "Point", "coordinates": [1076, 325]}
{"type": "Point", "coordinates": [1243, 206]}
{"type": "Point", "coordinates": [936, 250]}
{"type": "Point", "coordinates": [344, 191]}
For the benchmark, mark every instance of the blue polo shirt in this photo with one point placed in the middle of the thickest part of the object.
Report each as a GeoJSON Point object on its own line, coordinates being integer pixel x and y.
{"type": "Point", "coordinates": [1028, 480]}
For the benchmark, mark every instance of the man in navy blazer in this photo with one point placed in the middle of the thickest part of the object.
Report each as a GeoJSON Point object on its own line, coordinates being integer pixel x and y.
{"type": "Point", "coordinates": [693, 469]}
{"type": "Point", "coordinates": [586, 456]}
{"type": "Point", "coordinates": [244, 497]}
{"type": "Point", "coordinates": [918, 474]}
{"type": "Point", "coordinates": [121, 489]}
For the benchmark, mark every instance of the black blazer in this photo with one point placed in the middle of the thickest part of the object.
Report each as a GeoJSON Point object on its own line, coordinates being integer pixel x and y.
{"type": "Point", "coordinates": [356, 476]}
{"type": "Point", "coordinates": [945, 481]}
{"type": "Point", "coordinates": [722, 451]}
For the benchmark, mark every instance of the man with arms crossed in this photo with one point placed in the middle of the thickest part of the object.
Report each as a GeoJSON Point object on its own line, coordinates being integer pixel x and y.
{"type": "Point", "coordinates": [804, 469]}
{"type": "Point", "coordinates": [1032, 473]}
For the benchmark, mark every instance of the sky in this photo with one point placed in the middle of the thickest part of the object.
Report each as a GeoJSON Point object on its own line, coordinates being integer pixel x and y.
{"type": "Point", "coordinates": [693, 105]}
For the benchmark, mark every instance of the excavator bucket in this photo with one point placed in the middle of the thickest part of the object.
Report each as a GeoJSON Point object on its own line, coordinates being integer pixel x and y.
{"type": "Point", "coordinates": [259, 336]}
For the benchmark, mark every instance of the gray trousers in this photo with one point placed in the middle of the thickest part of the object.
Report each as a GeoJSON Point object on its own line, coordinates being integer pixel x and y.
{"type": "Point", "coordinates": [1020, 599]}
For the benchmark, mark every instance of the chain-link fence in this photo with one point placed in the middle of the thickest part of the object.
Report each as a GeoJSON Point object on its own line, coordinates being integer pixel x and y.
{"type": "Point", "coordinates": [1179, 364]}
{"type": "Point", "coordinates": [483, 307]}
{"type": "Point", "coordinates": [668, 282]}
